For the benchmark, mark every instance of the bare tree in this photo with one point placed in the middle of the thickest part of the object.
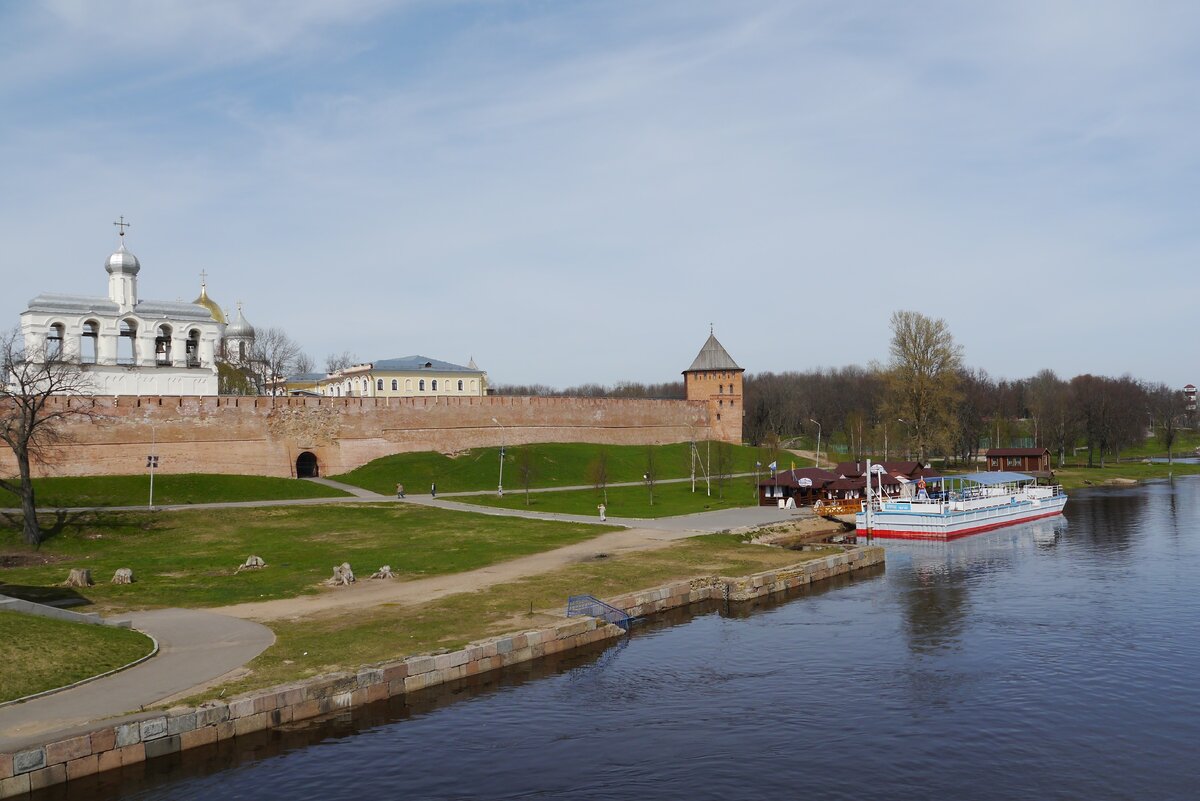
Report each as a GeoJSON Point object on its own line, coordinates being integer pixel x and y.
{"type": "Point", "coordinates": [923, 378]}
{"type": "Point", "coordinates": [336, 361]}
{"type": "Point", "coordinates": [272, 357]}
{"type": "Point", "coordinates": [1169, 408]}
{"type": "Point", "coordinates": [598, 473]}
{"type": "Point", "coordinates": [303, 363]}
{"type": "Point", "coordinates": [722, 466]}
{"type": "Point", "coordinates": [39, 392]}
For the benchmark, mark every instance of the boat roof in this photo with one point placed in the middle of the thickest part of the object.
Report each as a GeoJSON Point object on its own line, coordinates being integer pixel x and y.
{"type": "Point", "coordinates": [987, 479]}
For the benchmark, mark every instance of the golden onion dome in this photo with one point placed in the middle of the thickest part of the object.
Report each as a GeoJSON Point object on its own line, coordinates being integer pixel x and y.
{"type": "Point", "coordinates": [208, 303]}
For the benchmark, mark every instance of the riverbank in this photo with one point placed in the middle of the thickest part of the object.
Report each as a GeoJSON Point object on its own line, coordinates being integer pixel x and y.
{"type": "Point", "coordinates": [54, 759]}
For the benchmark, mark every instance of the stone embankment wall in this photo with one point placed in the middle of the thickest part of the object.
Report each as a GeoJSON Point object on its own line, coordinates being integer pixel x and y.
{"type": "Point", "coordinates": [264, 436]}
{"type": "Point", "coordinates": [134, 739]}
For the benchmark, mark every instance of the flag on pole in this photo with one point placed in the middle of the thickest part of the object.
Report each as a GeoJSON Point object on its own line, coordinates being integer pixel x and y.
{"type": "Point", "coordinates": [772, 466]}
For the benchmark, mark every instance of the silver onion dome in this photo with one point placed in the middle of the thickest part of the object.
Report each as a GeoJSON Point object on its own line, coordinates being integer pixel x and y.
{"type": "Point", "coordinates": [122, 262]}
{"type": "Point", "coordinates": [240, 328]}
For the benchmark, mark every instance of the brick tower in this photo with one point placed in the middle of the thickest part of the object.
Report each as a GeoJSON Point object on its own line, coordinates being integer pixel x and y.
{"type": "Point", "coordinates": [714, 377]}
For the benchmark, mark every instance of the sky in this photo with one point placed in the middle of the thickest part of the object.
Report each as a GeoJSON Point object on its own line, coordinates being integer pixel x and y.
{"type": "Point", "coordinates": [573, 192]}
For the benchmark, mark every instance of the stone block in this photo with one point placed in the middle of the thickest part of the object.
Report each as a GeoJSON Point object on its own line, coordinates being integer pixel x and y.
{"type": "Point", "coordinates": [197, 737]}
{"type": "Point", "coordinates": [280, 716]}
{"type": "Point", "coordinates": [503, 646]}
{"type": "Point", "coordinates": [419, 664]}
{"type": "Point", "coordinates": [6, 766]}
{"type": "Point", "coordinates": [162, 746]}
{"type": "Point", "coordinates": [396, 670]}
{"type": "Point", "coordinates": [341, 701]}
{"type": "Point", "coordinates": [293, 696]}
{"type": "Point", "coordinates": [519, 641]}
{"type": "Point", "coordinates": [47, 777]}
{"type": "Point", "coordinates": [533, 637]}
{"type": "Point", "coordinates": [358, 697]}
{"type": "Point", "coordinates": [518, 656]}
{"type": "Point", "coordinates": [108, 760]}
{"type": "Point", "coordinates": [305, 710]}
{"type": "Point", "coordinates": [66, 750]}
{"type": "Point", "coordinates": [104, 740]}
{"type": "Point", "coordinates": [396, 686]}
{"type": "Point", "coordinates": [369, 676]}
{"type": "Point", "coordinates": [132, 754]}
{"type": "Point", "coordinates": [241, 708]}
{"type": "Point", "coordinates": [14, 786]}
{"type": "Point", "coordinates": [181, 723]}
{"type": "Point", "coordinates": [249, 724]}
{"type": "Point", "coordinates": [211, 715]}
{"type": "Point", "coordinates": [26, 761]}
{"type": "Point", "coordinates": [441, 661]}
{"type": "Point", "coordinates": [226, 730]}
{"type": "Point", "coordinates": [376, 692]}
{"type": "Point", "coordinates": [458, 658]}
{"type": "Point", "coordinates": [128, 734]}
{"type": "Point", "coordinates": [154, 728]}
{"type": "Point", "coordinates": [414, 683]}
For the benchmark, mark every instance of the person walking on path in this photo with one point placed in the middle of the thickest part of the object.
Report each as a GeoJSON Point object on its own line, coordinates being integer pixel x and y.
{"type": "Point", "coordinates": [399, 490]}
{"type": "Point", "coordinates": [433, 490]}
{"type": "Point", "coordinates": [602, 511]}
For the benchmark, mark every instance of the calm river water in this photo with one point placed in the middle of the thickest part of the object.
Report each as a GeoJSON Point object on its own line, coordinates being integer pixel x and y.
{"type": "Point", "coordinates": [1052, 660]}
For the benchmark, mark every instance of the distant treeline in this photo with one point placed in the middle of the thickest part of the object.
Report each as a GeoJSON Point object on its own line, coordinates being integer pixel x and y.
{"type": "Point", "coordinates": [852, 404]}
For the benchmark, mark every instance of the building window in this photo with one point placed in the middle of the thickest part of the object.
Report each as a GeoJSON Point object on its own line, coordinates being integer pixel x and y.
{"type": "Point", "coordinates": [54, 340]}
{"type": "Point", "coordinates": [127, 348]}
{"type": "Point", "coordinates": [421, 385]}
{"type": "Point", "coordinates": [379, 384]}
{"type": "Point", "coordinates": [433, 384]}
{"type": "Point", "coordinates": [395, 385]}
{"type": "Point", "coordinates": [460, 385]}
{"type": "Point", "coordinates": [88, 347]}
{"type": "Point", "coordinates": [162, 346]}
{"type": "Point", "coordinates": [408, 385]}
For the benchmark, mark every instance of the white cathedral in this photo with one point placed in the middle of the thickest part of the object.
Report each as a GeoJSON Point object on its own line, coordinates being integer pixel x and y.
{"type": "Point", "coordinates": [129, 346]}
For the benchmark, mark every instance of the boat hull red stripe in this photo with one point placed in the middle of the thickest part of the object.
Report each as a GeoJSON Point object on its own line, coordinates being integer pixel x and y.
{"type": "Point", "coordinates": [898, 534]}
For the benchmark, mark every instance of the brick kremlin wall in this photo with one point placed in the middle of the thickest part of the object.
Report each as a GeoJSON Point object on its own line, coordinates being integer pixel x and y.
{"type": "Point", "coordinates": [264, 436]}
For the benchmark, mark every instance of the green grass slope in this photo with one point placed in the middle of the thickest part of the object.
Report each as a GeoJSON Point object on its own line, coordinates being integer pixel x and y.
{"type": "Point", "coordinates": [77, 491]}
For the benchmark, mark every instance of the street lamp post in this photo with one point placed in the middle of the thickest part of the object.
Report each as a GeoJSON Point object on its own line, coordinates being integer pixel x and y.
{"type": "Point", "coordinates": [818, 440]}
{"type": "Point", "coordinates": [500, 485]}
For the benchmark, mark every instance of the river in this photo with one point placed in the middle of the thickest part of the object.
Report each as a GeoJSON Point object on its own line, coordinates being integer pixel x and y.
{"type": "Point", "coordinates": [1054, 660]}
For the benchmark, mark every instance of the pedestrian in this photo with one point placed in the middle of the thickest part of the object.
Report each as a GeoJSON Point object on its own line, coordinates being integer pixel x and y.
{"type": "Point", "coordinates": [433, 490]}
{"type": "Point", "coordinates": [602, 510]}
{"type": "Point", "coordinates": [399, 490]}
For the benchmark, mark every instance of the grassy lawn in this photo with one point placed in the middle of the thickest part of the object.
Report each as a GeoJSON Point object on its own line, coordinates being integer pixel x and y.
{"type": "Point", "coordinates": [1077, 475]}
{"type": "Point", "coordinates": [188, 558]}
{"type": "Point", "coordinates": [38, 654]}
{"type": "Point", "coordinates": [347, 641]}
{"type": "Point", "coordinates": [669, 499]}
{"type": "Point", "coordinates": [554, 465]}
{"type": "Point", "coordinates": [75, 491]}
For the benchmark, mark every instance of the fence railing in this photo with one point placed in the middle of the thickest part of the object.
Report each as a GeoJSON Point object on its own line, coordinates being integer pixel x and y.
{"type": "Point", "coordinates": [590, 606]}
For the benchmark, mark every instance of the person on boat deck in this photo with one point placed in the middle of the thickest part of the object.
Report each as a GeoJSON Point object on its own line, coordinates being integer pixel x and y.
{"type": "Point", "coordinates": [922, 495]}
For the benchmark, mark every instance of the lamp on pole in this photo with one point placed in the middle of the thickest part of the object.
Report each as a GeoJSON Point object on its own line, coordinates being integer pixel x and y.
{"type": "Point", "coordinates": [818, 440]}
{"type": "Point", "coordinates": [500, 485]}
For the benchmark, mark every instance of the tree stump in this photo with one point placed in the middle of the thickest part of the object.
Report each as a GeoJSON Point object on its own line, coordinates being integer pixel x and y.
{"type": "Point", "coordinates": [384, 572]}
{"type": "Point", "coordinates": [124, 575]}
{"type": "Point", "coordinates": [251, 563]}
{"type": "Point", "coordinates": [342, 575]}
{"type": "Point", "coordinates": [79, 577]}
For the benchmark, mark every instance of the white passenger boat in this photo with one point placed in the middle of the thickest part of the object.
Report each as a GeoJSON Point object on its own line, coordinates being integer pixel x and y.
{"type": "Point", "coordinates": [955, 506]}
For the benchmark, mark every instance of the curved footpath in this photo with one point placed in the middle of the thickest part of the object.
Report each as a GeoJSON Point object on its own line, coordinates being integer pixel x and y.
{"type": "Point", "coordinates": [195, 648]}
{"type": "Point", "coordinates": [199, 648]}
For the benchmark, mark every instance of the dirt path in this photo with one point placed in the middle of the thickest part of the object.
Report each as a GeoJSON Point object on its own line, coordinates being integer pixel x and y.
{"type": "Point", "coordinates": [365, 593]}
{"type": "Point", "coordinates": [409, 593]}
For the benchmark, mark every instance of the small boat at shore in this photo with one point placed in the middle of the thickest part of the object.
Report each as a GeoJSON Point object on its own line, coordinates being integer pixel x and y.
{"type": "Point", "coordinates": [950, 507]}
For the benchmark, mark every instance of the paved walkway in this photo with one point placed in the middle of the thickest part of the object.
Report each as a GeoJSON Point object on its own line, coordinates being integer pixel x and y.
{"type": "Point", "coordinates": [199, 648]}
{"type": "Point", "coordinates": [195, 648]}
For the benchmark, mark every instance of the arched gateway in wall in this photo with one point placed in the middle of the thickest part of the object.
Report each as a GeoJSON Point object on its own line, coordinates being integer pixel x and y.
{"type": "Point", "coordinates": [306, 465]}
